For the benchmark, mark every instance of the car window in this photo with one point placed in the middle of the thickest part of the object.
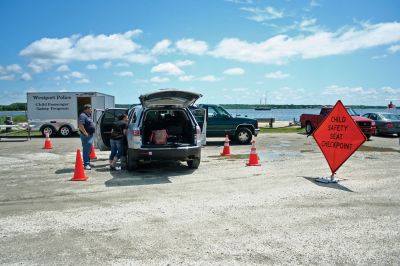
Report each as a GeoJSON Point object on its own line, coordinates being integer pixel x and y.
{"type": "Point", "coordinates": [212, 111]}
{"type": "Point", "coordinates": [391, 116]}
{"type": "Point", "coordinates": [222, 111]}
{"type": "Point", "coordinates": [373, 116]}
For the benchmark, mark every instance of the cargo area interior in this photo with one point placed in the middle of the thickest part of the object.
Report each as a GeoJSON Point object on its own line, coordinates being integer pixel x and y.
{"type": "Point", "coordinates": [175, 122]}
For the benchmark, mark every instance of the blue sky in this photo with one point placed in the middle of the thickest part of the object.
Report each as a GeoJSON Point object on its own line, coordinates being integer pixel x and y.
{"type": "Point", "coordinates": [236, 51]}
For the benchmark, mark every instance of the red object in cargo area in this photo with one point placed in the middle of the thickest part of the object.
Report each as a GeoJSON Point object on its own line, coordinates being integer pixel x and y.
{"type": "Point", "coordinates": [338, 136]}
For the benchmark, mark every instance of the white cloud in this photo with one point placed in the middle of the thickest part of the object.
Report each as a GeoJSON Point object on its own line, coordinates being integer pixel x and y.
{"type": "Point", "coordinates": [184, 63]}
{"type": "Point", "coordinates": [77, 75]}
{"type": "Point", "coordinates": [107, 64]}
{"type": "Point", "coordinates": [240, 1]}
{"type": "Point", "coordinates": [124, 74]}
{"type": "Point", "coordinates": [26, 76]}
{"type": "Point", "coordinates": [162, 47]}
{"type": "Point", "coordinates": [122, 65]}
{"type": "Point", "coordinates": [186, 78]}
{"type": "Point", "coordinates": [234, 71]}
{"type": "Point", "coordinates": [394, 48]}
{"type": "Point", "coordinates": [263, 14]}
{"type": "Point", "coordinates": [314, 3]}
{"type": "Point", "coordinates": [7, 77]}
{"type": "Point", "coordinates": [36, 68]}
{"type": "Point", "coordinates": [82, 81]}
{"type": "Point", "coordinates": [63, 68]}
{"type": "Point", "coordinates": [140, 58]}
{"type": "Point", "coordinates": [15, 68]}
{"type": "Point", "coordinates": [167, 68]}
{"type": "Point", "coordinates": [276, 75]}
{"type": "Point", "coordinates": [360, 95]}
{"type": "Point", "coordinates": [281, 48]}
{"type": "Point", "coordinates": [158, 79]}
{"type": "Point", "coordinates": [91, 66]}
{"type": "Point", "coordinates": [375, 57]}
{"type": "Point", "coordinates": [287, 95]}
{"type": "Point", "coordinates": [239, 89]}
{"type": "Point", "coordinates": [2, 71]}
{"type": "Point", "coordinates": [109, 83]}
{"type": "Point", "coordinates": [51, 51]}
{"type": "Point", "coordinates": [209, 78]}
{"type": "Point", "coordinates": [345, 91]}
{"type": "Point", "coordinates": [191, 46]}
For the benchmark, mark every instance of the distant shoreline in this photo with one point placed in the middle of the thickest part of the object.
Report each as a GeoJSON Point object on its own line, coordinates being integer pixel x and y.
{"type": "Point", "coordinates": [22, 106]}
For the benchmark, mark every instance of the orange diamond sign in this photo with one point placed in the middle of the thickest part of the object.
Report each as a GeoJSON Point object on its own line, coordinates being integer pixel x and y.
{"type": "Point", "coordinates": [338, 136]}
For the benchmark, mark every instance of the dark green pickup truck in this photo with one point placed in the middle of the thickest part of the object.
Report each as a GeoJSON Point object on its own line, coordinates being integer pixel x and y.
{"type": "Point", "coordinates": [220, 123]}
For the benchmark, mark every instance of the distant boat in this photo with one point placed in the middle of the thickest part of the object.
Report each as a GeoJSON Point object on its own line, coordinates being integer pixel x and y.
{"type": "Point", "coordinates": [262, 107]}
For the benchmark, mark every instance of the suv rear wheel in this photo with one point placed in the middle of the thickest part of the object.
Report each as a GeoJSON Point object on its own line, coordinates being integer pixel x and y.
{"type": "Point", "coordinates": [243, 135]}
{"type": "Point", "coordinates": [131, 164]}
{"type": "Point", "coordinates": [194, 164]}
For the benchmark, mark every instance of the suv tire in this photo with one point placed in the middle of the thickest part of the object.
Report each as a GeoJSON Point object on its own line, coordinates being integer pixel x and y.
{"type": "Point", "coordinates": [131, 165]}
{"type": "Point", "coordinates": [243, 135]}
{"type": "Point", "coordinates": [194, 164]}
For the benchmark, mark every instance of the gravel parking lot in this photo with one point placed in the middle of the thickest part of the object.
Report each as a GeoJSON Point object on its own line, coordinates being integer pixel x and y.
{"type": "Point", "coordinates": [223, 213]}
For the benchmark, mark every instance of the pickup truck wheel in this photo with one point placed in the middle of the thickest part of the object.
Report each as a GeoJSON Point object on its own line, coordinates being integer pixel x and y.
{"type": "Point", "coordinates": [49, 129]}
{"type": "Point", "coordinates": [65, 131]}
{"type": "Point", "coordinates": [243, 135]}
{"type": "Point", "coordinates": [194, 164]}
{"type": "Point", "coordinates": [309, 128]}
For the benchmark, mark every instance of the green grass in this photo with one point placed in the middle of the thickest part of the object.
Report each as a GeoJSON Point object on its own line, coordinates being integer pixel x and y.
{"type": "Point", "coordinates": [16, 119]}
{"type": "Point", "coordinates": [282, 130]}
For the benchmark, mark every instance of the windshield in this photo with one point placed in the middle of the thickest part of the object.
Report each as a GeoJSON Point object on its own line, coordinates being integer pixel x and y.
{"type": "Point", "coordinates": [223, 111]}
{"type": "Point", "coordinates": [391, 116]}
{"type": "Point", "coordinates": [351, 111]}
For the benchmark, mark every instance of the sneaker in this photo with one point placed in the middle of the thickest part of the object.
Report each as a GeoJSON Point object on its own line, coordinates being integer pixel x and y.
{"type": "Point", "coordinates": [87, 167]}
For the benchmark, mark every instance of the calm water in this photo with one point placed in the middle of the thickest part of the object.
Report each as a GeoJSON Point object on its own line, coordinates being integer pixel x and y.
{"type": "Point", "coordinates": [278, 114]}
{"type": "Point", "coordinates": [11, 113]}
{"type": "Point", "coordinates": [287, 114]}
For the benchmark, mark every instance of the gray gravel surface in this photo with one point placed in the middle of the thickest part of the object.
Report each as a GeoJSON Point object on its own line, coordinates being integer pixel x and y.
{"type": "Point", "coordinates": [223, 213]}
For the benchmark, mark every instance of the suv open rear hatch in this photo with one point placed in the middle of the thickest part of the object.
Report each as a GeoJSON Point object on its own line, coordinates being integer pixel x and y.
{"type": "Point", "coordinates": [169, 98]}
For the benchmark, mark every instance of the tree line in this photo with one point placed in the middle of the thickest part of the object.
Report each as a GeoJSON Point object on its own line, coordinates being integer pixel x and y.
{"type": "Point", "coordinates": [22, 106]}
{"type": "Point", "coordinates": [13, 107]}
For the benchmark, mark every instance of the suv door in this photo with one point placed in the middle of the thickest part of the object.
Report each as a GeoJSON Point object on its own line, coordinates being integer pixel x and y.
{"type": "Point", "coordinates": [104, 125]}
{"type": "Point", "coordinates": [200, 114]}
{"type": "Point", "coordinates": [219, 124]}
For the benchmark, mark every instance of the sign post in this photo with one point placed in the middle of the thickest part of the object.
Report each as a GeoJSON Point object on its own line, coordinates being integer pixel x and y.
{"type": "Point", "coordinates": [338, 137]}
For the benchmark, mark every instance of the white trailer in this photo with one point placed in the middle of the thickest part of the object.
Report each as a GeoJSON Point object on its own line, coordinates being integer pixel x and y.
{"type": "Point", "coordinates": [57, 112]}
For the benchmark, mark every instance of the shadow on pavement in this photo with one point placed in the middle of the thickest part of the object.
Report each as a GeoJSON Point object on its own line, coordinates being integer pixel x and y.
{"type": "Point", "coordinates": [64, 171]}
{"type": "Point", "coordinates": [329, 185]}
{"type": "Point", "coordinates": [149, 173]}
{"type": "Point", "coordinates": [221, 143]}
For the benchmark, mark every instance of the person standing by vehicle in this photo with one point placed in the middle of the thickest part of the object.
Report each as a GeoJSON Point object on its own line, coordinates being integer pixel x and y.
{"type": "Point", "coordinates": [86, 128]}
{"type": "Point", "coordinates": [117, 140]}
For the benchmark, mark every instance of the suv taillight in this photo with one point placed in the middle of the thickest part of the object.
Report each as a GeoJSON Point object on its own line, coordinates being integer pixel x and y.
{"type": "Point", "coordinates": [197, 136]}
{"type": "Point", "coordinates": [136, 132]}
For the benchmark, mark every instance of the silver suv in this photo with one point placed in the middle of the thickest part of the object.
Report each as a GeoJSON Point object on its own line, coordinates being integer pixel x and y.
{"type": "Point", "coordinates": [163, 111]}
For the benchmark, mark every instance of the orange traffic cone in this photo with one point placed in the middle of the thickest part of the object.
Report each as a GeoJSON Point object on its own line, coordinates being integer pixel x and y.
{"type": "Point", "coordinates": [253, 159]}
{"type": "Point", "coordinates": [79, 173]}
{"type": "Point", "coordinates": [92, 153]}
{"type": "Point", "coordinates": [47, 142]}
{"type": "Point", "coordinates": [226, 151]}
